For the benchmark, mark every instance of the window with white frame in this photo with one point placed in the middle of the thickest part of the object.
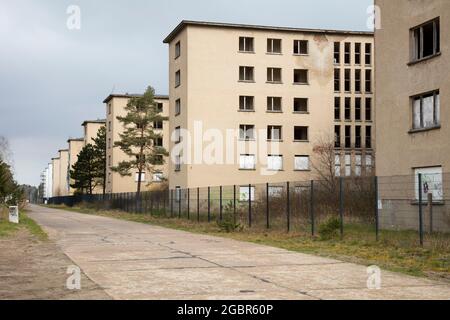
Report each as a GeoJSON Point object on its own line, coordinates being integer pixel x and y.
{"type": "Point", "coordinates": [247, 162]}
{"type": "Point", "coordinates": [274, 133]}
{"type": "Point", "coordinates": [274, 75]}
{"type": "Point", "coordinates": [274, 104]}
{"type": "Point", "coordinates": [246, 44]}
{"type": "Point", "coordinates": [245, 192]}
{"type": "Point", "coordinates": [273, 45]}
{"type": "Point", "coordinates": [348, 165]}
{"type": "Point", "coordinates": [358, 165]}
{"type": "Point", "coordinates": [301, 47]}
{"type": "Point", "coordinates": [247, 132]}
{"type": "Point", "coordinates": [301, 163]}
{"type": "Point", "coordinates": [275, 191]}
{"type": "Point", "coordinates": [426, 110]}
{"type": "Point", "coordinates": [246, 73]}
{"type": "Point", "coordinates": [158, 177]}
{"type": "Point", "coordinates": [431, 183]}
{"type": "Point", "coordinates": [136, 177]}
{"type": "Point", "coordinates": [246, 103]}
{"type": "Point", "coordinates": [426, 40]}
{"type": "Point", "coordinates": [275, 162]}
{"type": "Point", "coordinates": [337, 164]}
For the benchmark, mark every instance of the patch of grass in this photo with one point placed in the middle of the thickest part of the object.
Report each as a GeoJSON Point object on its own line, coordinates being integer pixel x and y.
{"type": "Point", "coordinates": [8, 229]}
{"type": "Point", "coordinates": [396, 251]}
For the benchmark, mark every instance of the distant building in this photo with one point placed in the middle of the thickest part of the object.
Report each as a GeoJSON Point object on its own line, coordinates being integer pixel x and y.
{"type": "Point", "coordinates": [115, 106]}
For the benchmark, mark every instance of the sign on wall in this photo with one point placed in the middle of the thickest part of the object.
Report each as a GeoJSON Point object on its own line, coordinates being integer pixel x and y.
{"type": "Point", "coordinates": [431, 183]}
{"type": "Point", "coordinates": [14, 214]}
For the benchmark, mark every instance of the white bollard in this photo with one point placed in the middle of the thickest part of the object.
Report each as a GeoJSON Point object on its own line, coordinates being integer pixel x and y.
{"type": "Point", "coordinates": [14, 214]}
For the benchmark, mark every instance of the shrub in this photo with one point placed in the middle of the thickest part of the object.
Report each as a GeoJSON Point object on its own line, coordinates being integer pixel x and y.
{"type": "Point", "coordinates": [228, 223]}
{"type": "Point", "coordinates": [329, 229]}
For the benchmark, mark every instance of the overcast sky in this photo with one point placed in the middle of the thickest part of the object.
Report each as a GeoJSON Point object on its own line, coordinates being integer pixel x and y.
{"type": "Point", "coordinates": [52, 78]}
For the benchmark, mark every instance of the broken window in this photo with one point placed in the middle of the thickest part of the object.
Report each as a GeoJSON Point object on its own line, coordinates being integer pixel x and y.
{"type": "Point", "coordinates": [348, 136]}
{"type": "Point", "coordinates": [337, 53]}
{"type": "Point", "coordinates": [337, 108]}
{"type": "Point", "coordinates": [369, 164]}
{"type": "Point", "coordinates": [301, 47]}
{"type": "Point", "coordinates": [368, 109]}
{"type": "Point", "coordinates": [274, 133]}
{"type": "Point", "coordinates": [301, 76]}
{"type": "Point", "coordinates": [426, 40]}
{"type": "Point", "coordinates": [246, 73]}
{"type": "Point", "coordinates": [158, 125]}
{"type": "Point", "coordinates": [301, 133]}
{"type": "Point", "coordinates": [273, 74]}
{"type": "Point", "coordinates": [337, 80]}
{"type": "Point", "coordinates": [246, 103]}
{"type": "Point", "coordinates": [368, 137]}
{"type": "Point", "coordinates": [358, 53]}
{"type": "Point", "coordinates": [347, 54]}
{"type": "Point", "coordinates": [246, 44]}
{"type": "Point", "coordinates": [368, 54]}
{"type": "Point", "coordinates": [246, 132]}
{"type": "Point", "coordinates": [273, 45]}
{"type": "Point", "coordinates": [300, 104]}
{"type": "Point", "coordinates": [337, 136]}
{"type": "Point", "coordinates": [426, 110]}
{"type": "Point", "coordinates": [274, 104]}
{"type": "Point", "coordinates": [357, 80]}
{"type": "Point", "coordinates": [358, 109]}
{"type": "Point", "coordinates": [348, 108]}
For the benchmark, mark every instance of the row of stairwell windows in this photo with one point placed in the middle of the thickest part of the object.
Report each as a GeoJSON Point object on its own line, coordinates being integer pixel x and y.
{"type": "Point", "coordinates": [353, 137]}
{"type": "Point", "coordinates": [353, 109]}
{"type": "Point", "coordinates": [355, 50]}
{"type": "Point", "coordinates": [343, 82]}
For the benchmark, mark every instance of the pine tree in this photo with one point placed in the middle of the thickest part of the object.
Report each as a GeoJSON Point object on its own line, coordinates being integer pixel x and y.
{"type": "Point", "coordinates": [138, 139]}
{"type": "Point", "coordinates": [100, 154]}
{"type": "Point", "coordinates": [84, 172]}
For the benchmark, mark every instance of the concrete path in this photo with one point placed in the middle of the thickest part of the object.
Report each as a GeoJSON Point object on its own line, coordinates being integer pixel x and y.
{"type": "Point", "coordinates": [137, 261]}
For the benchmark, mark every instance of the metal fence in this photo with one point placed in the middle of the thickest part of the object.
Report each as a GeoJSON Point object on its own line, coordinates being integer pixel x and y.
{"type": "Point", "coordinates": [411, 209]}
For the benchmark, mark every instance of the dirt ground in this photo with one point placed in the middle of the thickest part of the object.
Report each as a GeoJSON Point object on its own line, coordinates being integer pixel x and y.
{"type": "Point", "coordinates": [34, 269]}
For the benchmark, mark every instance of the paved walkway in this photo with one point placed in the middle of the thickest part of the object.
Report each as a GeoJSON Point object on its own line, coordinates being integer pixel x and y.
{"type": "Point", "coordinates": [137, 261]}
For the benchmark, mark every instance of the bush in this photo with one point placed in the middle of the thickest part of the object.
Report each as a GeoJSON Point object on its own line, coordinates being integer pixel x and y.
{"type": "Point", "coordinates": [228, 223]}
{"type": "Point", "coordinates": [329, 229]}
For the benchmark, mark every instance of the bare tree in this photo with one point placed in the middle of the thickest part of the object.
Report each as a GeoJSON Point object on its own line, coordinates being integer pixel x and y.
{"type": "Point", "coordinates": [324, 162]}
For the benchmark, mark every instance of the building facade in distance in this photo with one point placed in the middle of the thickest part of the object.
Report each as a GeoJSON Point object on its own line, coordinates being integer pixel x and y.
{"type": "Point", "coordinates": [280, 90]}
{"type": "Point", "coordinates": [115, 106]}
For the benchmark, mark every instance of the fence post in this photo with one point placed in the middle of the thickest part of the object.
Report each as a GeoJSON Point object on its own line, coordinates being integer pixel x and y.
{"type": "Point", "coordinates": [311, 209]}
{"type": "Point", "coordinates": [209, 204]}
{"type": "Point", "coordinates": [220, 204]}
{"type": "Point", "coordinates": [267, 207]}
{"type": "Point", "coordinates": [198, 204]}
{"type": "Point", "coordinates": [377, 219]}
{"type": "Point", "coordinates": [249, 205]}
{"type": "Point", "coordinates": [288, 207]}
{"type": "Point", "coordinates": [234, 204]}
{"type": "Point", "coordinates": [179, 202]}
{"type": "Point", "coordinates": [189, 203]}
{"type": "Point", "coordinates": [430, 210]}
{"type": "Point", "coordinates": [420, 211]}
{"type": "Point", "coordinates": [341, 205]}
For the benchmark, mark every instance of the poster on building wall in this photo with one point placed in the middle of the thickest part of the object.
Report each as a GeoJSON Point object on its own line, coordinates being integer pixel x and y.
{"type": "Point", "coordinates": [431, 183]}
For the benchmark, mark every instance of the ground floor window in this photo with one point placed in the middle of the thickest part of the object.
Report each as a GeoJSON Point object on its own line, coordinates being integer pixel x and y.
{"type": "Point", "coordinates": [431, 183]}
{"type": "Point", "coordinates": [245, 192]}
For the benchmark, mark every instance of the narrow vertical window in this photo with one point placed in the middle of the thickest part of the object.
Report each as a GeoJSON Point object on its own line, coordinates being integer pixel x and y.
{"type": "Point", "coordinates": [368, 81]}
{"type": "Point", "coordinates": [368, 54]}
{"type": "Point", "coordinates": [177, 49]}
{"type": "Point", "coordinates": [337, 80]}
{"type": "Point", "coordinates": [337, 53]}
{"type": "Point", "coordinates": [347, 53]}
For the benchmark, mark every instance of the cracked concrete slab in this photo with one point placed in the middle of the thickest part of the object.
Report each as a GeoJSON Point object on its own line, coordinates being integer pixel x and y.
{"type": "Point", "coordinates": [137, 261]}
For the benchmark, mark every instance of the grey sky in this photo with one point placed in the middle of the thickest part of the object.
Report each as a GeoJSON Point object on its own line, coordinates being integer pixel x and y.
{"type": "Point", "coordinates": [51, 79]}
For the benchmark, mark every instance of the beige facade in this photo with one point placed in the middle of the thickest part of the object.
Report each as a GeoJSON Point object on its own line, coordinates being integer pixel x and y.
{"type": "Point", "coordinates": [63, 172]}
{"type": "Point", "coordinates": [75, 146]}
{"type": "Point", "coordinates": [115, 106]}
{"type": "Point", "coordinates": [91, 128]}
{"type": "Point", "coordinates": [56, 191]}
{"type": "Point", "coordinates": [412, 87]}
{"type": "Point", "coordinates": [277, 82]}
